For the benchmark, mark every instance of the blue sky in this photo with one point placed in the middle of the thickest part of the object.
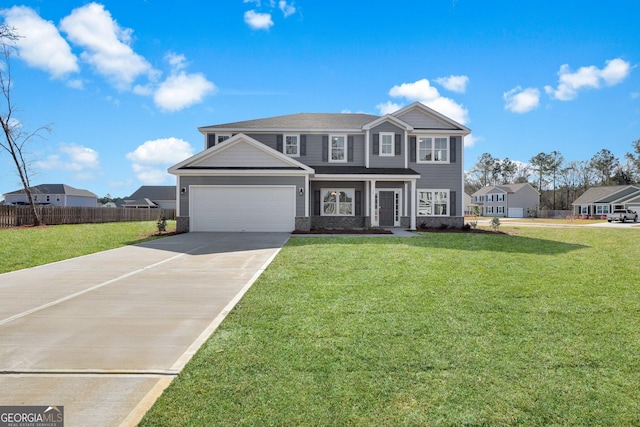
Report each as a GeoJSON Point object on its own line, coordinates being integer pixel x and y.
{"type": "Point", "coordinates": [125, 84]}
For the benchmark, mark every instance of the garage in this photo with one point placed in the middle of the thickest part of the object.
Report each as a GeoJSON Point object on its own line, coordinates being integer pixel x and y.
{"type": "Point", "coordinates": [242, 208]}
{"type": "Point", "coordinates": [516, 213]}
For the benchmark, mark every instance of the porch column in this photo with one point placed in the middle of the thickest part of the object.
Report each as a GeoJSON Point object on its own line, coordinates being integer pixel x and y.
{"type": "Point", "coordinates": [414, 208]}
{"type": "Point", "coordinates": [372, 204]}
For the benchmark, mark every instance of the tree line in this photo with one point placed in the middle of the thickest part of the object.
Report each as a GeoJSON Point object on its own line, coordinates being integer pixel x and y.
{"type": "Point", "coordinates": [558, 181]}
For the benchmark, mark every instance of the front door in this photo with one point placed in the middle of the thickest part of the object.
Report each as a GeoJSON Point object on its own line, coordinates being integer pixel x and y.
{"type": "Point", "coordinates": [386, 200]}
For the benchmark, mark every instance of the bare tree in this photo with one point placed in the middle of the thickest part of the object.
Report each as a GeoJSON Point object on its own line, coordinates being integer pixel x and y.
{"type": "Point", "coordinates": [605, 163]}
{"type": "Point", "coordinates": [15, 138]}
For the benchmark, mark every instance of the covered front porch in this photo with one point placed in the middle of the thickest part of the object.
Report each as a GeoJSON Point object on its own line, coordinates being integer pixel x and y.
{"type": "Point", "coordinates": [358, 197]}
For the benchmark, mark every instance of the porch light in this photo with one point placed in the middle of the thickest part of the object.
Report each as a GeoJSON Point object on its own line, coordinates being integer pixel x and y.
{"type": "Point", "coordinates": [301, 191]}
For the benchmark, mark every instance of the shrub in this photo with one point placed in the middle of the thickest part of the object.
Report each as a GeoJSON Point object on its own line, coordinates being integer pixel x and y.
{"type": "Point", "coordinates": [495, 223]}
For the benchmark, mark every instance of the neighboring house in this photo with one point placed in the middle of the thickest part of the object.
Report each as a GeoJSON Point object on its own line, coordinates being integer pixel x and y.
{"type": "Point", "coordinates": [508, 201]}
{"type": "Point", "coordinates": [603, 200]}
{"type": "Point", "coordinates": [468, 204]}
{"type": "Point", "coordinates": [311, 171]}
{"type": "Point", "coordinates": [54, 195]}
{"type": "Point", "coordinates": [152, 196]}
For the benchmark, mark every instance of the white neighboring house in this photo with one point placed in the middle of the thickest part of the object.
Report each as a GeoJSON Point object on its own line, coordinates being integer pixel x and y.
{"type": "Point", "coordinates": [53, 195]}
{"type": "Point", "coordinates": [507, 201]}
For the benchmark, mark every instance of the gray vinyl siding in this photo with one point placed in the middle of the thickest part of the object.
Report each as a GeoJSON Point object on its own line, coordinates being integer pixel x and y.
{"type": "Point", "coordinates": [397, 161]}
{"type": "Point", "coordinates": [419, 120]}
{"type": "Point", "coordinates": [186, 181]}
{"type": "Point", "coordinates": [443, 176]}
{"type": "Point", "coordinates": [527, 197]}
{"type": "Point", "coordinates": [314, 150]}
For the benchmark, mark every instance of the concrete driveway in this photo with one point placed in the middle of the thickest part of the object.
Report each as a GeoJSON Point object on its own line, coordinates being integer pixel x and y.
{"type": "Point", "coordinates": [104, 334]}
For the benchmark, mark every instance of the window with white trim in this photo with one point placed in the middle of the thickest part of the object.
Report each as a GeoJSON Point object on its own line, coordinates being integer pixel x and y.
{"type": "Point", "coordinates": [433, 202]}
{"type": "Point", "coordinates": [222, 137]}
{"type": "Point", "coordinates": [602, 209]}
{"type": "Point", "coordinates": [489, 209]}
{"type": "Point", "coordinates": [584, 209]}
{"type": "Point", "coordinates": [337, 148]}
{"type": "Point", "coordinates": [500, 209]}
{"type": "Point", "coordinates": [432, 149]}
{"type": "Point", "coordinates": [500, 197]}
{"type": "Point", "coordinates": [292, 145]}
{"type": "Point", "coordinates": [387, 144]}
{"type": "Point", "coordinates": [338, 201]}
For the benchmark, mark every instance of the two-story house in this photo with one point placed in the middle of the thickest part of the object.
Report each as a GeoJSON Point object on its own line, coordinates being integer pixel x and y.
{"type": "Point", "coordinates": [310, 171]}
{"type": "Point", "coordinates": [507, 200]}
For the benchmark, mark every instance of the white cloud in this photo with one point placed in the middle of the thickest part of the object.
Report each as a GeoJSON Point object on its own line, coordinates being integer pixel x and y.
{"type": "Point", "coordinates": [40, 44]}
{"type": "Point", "coordinates": [519, 100]}
{"type": "Point", "coordinates": [107, 45]}
{"type": "Point", "coordinates": [470, 140]}
{"type": "Point", "coordinates": [422, 91]}
{"type": "Point", "coordinates": [258, 21]}
{"type": "Point", "coordinates": [570, 83]}
{"type": "Point", "coordinates": [151, 159]}
{"type": "Point", "coordinates": [388, 107]}
{"type": "Point", "coordinates": [454, 83]}
{"type": "Point", "coordinates": [182, 90]}
{"type": "Point", "coordinates": [287, 9]}
{"type": "Point", "coordinates": [80, 160]}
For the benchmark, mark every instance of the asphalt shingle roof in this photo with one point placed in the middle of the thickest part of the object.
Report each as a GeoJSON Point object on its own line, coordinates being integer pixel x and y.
{"type": "Point", "coordinates": [56, 189]}
{"type": "Point", "coordinates": [155, 192]}
{"type": "Point", "coordinates": [302, 121]}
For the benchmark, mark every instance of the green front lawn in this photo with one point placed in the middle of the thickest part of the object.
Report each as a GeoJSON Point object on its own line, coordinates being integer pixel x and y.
{"type": "Point", "coordinates": [540, 328]}
{"type": "Point", "coordinates": [25, 247]}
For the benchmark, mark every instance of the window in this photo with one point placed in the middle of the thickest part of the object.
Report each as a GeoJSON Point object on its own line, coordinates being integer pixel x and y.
{"type": "Point", "coordinates": [387, 144]}
{"type": "Point", "coordinates": [338, 202]}
{"type": "Point", "coordinates": [489, 209]}
{"type": "Point", "coordinates": [602, 209]}
{"type": "Point", "coordinates": [337, 148]}
{"type": "Point", "coordinates": [433, 202]}
{"type": "Point", "coordinates": [433, 149]}
{"type": "Point", "coordinates": [584, 209]}
{"type": "Point", "coordinates": [221, 138]}
{"type": "Point", "coordinates": [489, 197]}
{"type": "Point", "coordinates": [500, 197]}
{"type": "Point", "coordinates": [292, 145]}
{"type": "Point", "coordinates": [500, 209]}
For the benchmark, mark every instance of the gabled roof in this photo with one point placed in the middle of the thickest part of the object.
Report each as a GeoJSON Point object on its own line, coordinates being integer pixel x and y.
{"type": "Point", "coordinates": [240, 152]}
{"type": "Point", "coordinates": [140, 203]}
{"type": "Point", "coordinates": [50, 189]}
{"type": "Point", "coordinates": [155, 192]}
{"type": "Point", "coordinates": [506, 188]}
{"type": "Point", "coordinates": [342, 122]}
{"type": "Point", "coordinates": [606, 194]}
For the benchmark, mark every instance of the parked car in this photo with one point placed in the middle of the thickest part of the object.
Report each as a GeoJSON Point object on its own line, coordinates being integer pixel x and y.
{"type": "Point", "coordinates": [622, 215]}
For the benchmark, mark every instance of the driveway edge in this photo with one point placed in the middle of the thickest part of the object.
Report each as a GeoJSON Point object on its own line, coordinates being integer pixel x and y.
{"type": "Point", "coordinates": [136, 415]}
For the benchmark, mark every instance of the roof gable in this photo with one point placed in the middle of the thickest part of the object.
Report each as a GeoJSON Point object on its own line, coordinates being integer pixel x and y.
{"type": "Point", "coordinates": [239, 152]}
{"type": "Point", "coordinates": [419, 116]}
{"type": "Point", "coordinates": [55, 189]}
{"type": "Point", "coordinates": [605, 194]}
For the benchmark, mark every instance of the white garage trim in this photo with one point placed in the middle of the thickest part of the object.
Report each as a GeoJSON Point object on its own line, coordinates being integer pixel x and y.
{"type": "Point", "coordinates": [242, 207]}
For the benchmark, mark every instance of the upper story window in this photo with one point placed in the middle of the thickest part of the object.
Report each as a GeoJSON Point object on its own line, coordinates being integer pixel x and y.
{"type": "Point", "coordinates": [500, 197]}
{"type": "Point", "coordinates": [292, 145]}
{"type": "Point", "coordinates": [221, 137]}
{"type": "Point", "coordinates": [433, 149]}
{"type": "Point", "coordinates": [387, 144]}
{"type": "Point", "coordinates": [337, 148]}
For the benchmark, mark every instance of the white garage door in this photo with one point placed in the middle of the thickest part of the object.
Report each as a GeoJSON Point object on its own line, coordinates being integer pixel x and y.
{"type": "Point", "coordinates": [516, 213]}
{"type": "Point", "coordinates": [242, 208]}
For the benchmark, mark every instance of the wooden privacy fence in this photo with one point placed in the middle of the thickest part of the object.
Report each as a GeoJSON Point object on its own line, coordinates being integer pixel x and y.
{"type": "Point", "coordinates": [14, 216]}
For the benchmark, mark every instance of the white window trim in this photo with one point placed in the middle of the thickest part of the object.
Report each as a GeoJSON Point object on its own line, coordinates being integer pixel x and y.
{"type": "Point", "coordinates": [393, 144]}
{"type": "Point", "coordinates": [500, 209]}
{"type": "Point", "coordinates": [489, 209]}
{"type": "Point", "coordinates": [284, 144]}
{"type": "Point", "coordinates": [219, 135]}
{"type": "Point", "coordinates": [500, 198]}
{"type": "Point", "coordinates": [323, 191]}
{"type": "Point", "coordinates": [433, 149]}
{"type": "Point", "coordinates": [433, 190]}
{"type": "Point", "coordinates": [346, 148]}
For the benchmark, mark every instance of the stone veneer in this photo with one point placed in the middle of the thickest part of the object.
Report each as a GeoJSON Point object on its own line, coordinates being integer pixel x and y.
{"type": "Point", "coordinates": [182, 224]}
{"type": "Point", "coordinates": [439, 221]}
